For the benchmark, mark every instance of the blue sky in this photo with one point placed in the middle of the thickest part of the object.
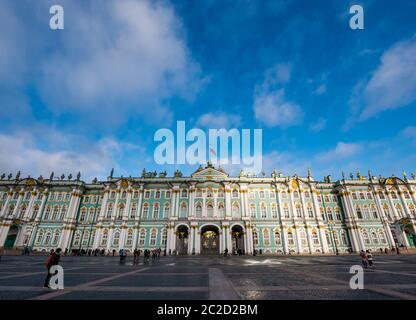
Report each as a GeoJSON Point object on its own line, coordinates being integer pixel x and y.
{"type": "Point", "coordinates": [91, 96]}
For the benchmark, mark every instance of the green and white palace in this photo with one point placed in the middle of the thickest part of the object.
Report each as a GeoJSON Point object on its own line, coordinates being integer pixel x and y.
{"type": "Point", "coordinates": [209, 212]}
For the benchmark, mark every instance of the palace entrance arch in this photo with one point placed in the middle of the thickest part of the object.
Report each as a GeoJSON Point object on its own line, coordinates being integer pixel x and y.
{"type": "Point", "coordinates": [210, 240]}
{"type": "Point", "coordinates": [11, 236]}
{"type": "Point", "coordinates": [237, 236]}
{"type": "Point", "coordinates": [182, 235]}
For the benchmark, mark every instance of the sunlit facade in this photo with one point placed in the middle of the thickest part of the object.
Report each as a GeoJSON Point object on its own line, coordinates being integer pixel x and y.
{"type": "Point", "coordinates": [209, 212]}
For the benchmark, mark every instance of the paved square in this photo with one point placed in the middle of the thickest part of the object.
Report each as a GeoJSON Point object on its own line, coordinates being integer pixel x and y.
{"type": "Point", "coordinates": [210, 277]}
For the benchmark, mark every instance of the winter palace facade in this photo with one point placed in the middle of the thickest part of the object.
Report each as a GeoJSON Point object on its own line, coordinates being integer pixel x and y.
{"type": "Point", "coordinates": [209, 212]}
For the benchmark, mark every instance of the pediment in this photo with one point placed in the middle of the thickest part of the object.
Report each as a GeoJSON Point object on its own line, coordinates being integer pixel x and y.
{"type": "Point", "coordinates": [209, 173]}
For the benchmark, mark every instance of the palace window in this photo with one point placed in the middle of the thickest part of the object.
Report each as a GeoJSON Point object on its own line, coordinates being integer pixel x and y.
{"type": "Point", "coordinates": [167, 194]}
{"type": "Point", "coordinates": [296, 194]}
{"type": "Point", "coordinates": [116, 238]}
{"type": "Point", "coordinates": [67, 195]}
{"type": "Point", "coordinates": [374, 211]}
{"type": "Point", "coordinates": [272, 194]}
{"type": "Point", "coordinates": [55, 213]}
{"type": "Point", "coordinates": [369, 196]}
{"type": "Point", "coordinates": [303, 240]}
{"type": "Point", "coordinates": [315, 238]}
{"type": "Point", "coordinates": [382, 196]}
{"type": "Point", "coordinates": [266, 237]}
{"type": "Point", "coordinates": [235, 193]}
{"type": "Point", "coordinates": [184, 210]}
{"type": "Point", "coordinates": [382, 237]}
{"type": "Point", "coordinates": [129, 240]}
{"type": "Point", "coordinates": [104, 239]}
{"type": "Point", "coordinates": [274, 211]}
{"type": "Point", "coordinates": [393, 195]}
{"type": "Point", "coordinates": [236, 210]}
{"type": "Point", "coordinates": [221, 193]}
{"type": "Point", "coordinates": [406, 195]}
{"type": "Point", "coordinates": [55, 238]}
{"type": "Point", "coordinates": [286, 211]}
{"type": "Point", "coordinates": [63, 212]}
{"type": "Point", "coordinates": [164, 237]}
{"type": "Point", "coordinates": [387, 212]}
{"type": "Point", "coordinates": [290, 238]}
{"type": "Point", "coordinates": [412, 210]}
{"type": "Point", "coordinates": [153, 237]}
{"type": "Point", "coordinates": [253, 211]}
{"type": "Point", "coordinates": [261, 194]}
{"type": "Point", "coordinates": [147, 194]}
{"type": "Point", "coordinates": [85, 238]}
{"type": "Point", "coordinates": [263, 210]}
{"type": "Point", "coordinates": [362, 197]}
{"type": "Point", "coordinates": [83, 214]}
{"type": "Point", "coordinates": [86, 199]}
{"type": "Point", "coordinates": [298, 211]}
{"type": "Point", "coordinates": [366, 212]}
{"type": "Point", "coordinates": [120, 211]}
{"type": "Point", "coordinates": [27, 197]}
{"type": "Point", "coordinates": [155, 211]}
{"type": "Point", "coordinates": [310, 212]}
{"type": "Point", "coordinates": [198, 210]}
{"type": "Point", "coordinates": [354, 196]}
{"type": "Point", "coordinates": [47, 238]}
{"type": "Point", "coordinates": [255, 238]}
{"type": "Point", "coordinates": [35, 211]}
{"type": "Point", "coordinates": [374, 238]}
{"type": "Point", "coordinates": [277, 239]}
{"type": "Point", "coordinates": [145, 210]}
{"type": "Point", "coordinates": [399, 210]}
{"type": "Point", "coordinates": [366, 237]}
{"type": "Point", "coordinates": [221, 209]}
{"type": "Point", "coordinates": [334, 198]}
{"type": "Point", "coordinates": [133, 211]}
{"type": "Point", "coordinates": [251, 194]}
{"type": "Point", "coordinates": [123, 195]}
{"type": "Point", "coordinates": [39, 238]}
{"type": "Point", "coordinates": [307, 194]}
{"type": "Point", "coordinates": [91, 215]}
{"type": "Point", "coordinates": [142, 237]}
{"type": "Point", "coordinates": [112, 195]}
{"type": "Point", "coordinates": [47, 212]}
{"type": "Point", "coordinates": [109, 210]}
{"type": "Point", "coordinates": [209, 193]}
{"type": "Point", "coordinates": [210, 210]}
{"type": "Point", "coordinates": [184, 193]}
{"type": "Point", "coordinates": [157, 194]}
{"type": "Point", "coordinates": [199, 193]}
{"type": "Point", "coordinates": [344, 238]}
{"type": "Point", "coordinates": [22, 211]}
{"type": "Point", "coordinates": [359, 213]}
{"type": "Point", "coordinates": [135, 194]}
{"type": "Point", "coordinates": [338, 214]}
{"type": "Point", "coordinates": [284, 195]}
{"type": "Point", "coordinates": [329, 212]}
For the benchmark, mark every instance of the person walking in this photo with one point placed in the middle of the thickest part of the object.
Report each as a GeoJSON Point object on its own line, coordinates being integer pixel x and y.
{"type": "Point", "coordinates": [369, 258]}
{"type": "Point", "coordinates": [53, 260]}
{"type": "Point", "coordinates": [363, 256]}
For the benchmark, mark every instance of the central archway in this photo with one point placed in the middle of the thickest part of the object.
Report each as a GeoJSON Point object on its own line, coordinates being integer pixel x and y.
{"type": "Point", "coordinates": [11, 236]}
{"type": "Point", "coordinates": [210, 240]}
{"type": "Point", "coordinates": [237, 236]}
{"type": "Point", "coordinates": [182, 233]}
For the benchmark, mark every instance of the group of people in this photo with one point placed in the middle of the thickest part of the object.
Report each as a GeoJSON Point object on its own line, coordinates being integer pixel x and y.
{"type": "Point", "coordinates": [366, 258]}
{"type": "Point", "coordinates": [53, 260]}
{"type": "Point", "coordinates": [147, 254]}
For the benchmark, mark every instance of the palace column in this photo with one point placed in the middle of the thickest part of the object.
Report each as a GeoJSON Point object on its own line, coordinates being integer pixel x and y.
{"type": "Point", "coordinates": [294, 217]}
{"type": "Point", "coordinates": [383, 219]}
{"type": "Point", "coordinates": [285, 240]}
{"type": "Point", "coordinates": [392, 206]}
{"type": "Point", "coordinates": [319, 221]}
{"type": "Point", "coordinates": [69, 225]}
{"type": "Point", "coordinates": [228, 209]}
{"type": "Point", "coordinates": [125, 217]}
{"type": "Point", "coordinates": [309, 235]}
{"type": "Point", "coordinates": [20, 240]}
{"type": "Point", "coordinates": [349, 222]}
{"type": "Point", "coordinates": [4, 227]}
{"type": "Point", "coordinates": [38, 218]}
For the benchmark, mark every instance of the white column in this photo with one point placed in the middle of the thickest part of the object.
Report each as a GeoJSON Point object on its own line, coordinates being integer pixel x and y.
{"type": "Point", "coordinates": [285, 240]}
{"type": "Point", "coordinates": [392, 206]}
{"type": "Point", "coordinates": [228, 209]}
{"type": "Point", "coordinates": [6, 204]}
{"type": "Point", "coordinates": [309, 235]}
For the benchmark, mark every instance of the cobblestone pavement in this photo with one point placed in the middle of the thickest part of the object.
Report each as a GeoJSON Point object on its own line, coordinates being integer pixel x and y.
{"type": "Point", "coordinates": [210, 277]}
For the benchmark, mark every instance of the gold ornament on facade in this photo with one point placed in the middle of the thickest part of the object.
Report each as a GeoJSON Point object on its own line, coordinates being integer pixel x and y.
{"type": "Point", "coordinates": [124, 183]}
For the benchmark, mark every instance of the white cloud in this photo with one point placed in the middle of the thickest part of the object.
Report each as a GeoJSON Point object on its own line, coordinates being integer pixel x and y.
{"type": "Point", "coordinates": [218, 120]}
{"type": "Point", "coordinates": [61, 153]}
{"type": "Point", "coordinates": [342, 151]}
{"type": "Point", "coordinates": [321, 89]}
{"type": "Point", "coordinates": [319, 125]}
{"type": "Point", "coordinates": [393, 83]}
{"type": "Point", "coordinates": [273, 110]}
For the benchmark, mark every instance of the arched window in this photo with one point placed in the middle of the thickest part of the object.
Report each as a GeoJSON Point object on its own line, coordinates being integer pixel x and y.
{"type": "Point", "coordinates": [298, 211]}
{"type": "Point", "coordinates": [366, 237]}
{"type": "Point", "coordinates": [166, 210]}
{"type": "Point", "coordinates": [286, 211]}
{"type": "Point", "coordinates": [354, 196]}
{"type": "Point", "coordinates": [235, 193]}
{"type": "Point", "coordinates": [184, 210]}
{"type": "Point", "coordinates": [310, 211]}
{"type": "Point", "coordinates": [359, 213]}
{"type": "Point", "coordinates": [22, 211]}
{"type": "Point", "coordinates": [412, 210]}
{"type": "Point", "coordinates": [362, 197]}
{"type": "Point", "coordinates": [263, 210]}
{"type": "Point", "coordinates": [382, 237]}
{"type": "Point", "coordinates": [266, 237]}
{"type": "Point", "coordinates": [83, 215]}
{"type": "Point", "coordinates": [329, 212]}
{"type": "Point", "coordinates": [387, 212]}
{"type": "Point", "coordinates": [277, 239]}
{"type": "Point", "coordinates": [369, 196]}
{"type": "Point", "coordinates": [198, 210]}
{"type": "Point", "coordinates": [366, 212]}
{"type": "Point", "coordinates": [399, 210]}
{"type": "Point", "coordinates": [337, 214]}
{"type": "Point", "coordinates": [112, 194]}
{"type": "Point", "coordinates": [147, 194]}
{"type": "Point", "coordinates": [374, 238]}
{"type": "Point", "coordinates": [199, 193]}
{"type": "Point", "coordinates": [142, 237]}
{"type": "Point", "coordinates": [35, 211]}
{"type": "Point", "coordinates": [344, 238]}
{"type": "Point", "coordinates": [253, 210]}
{"type": "Point", "coordinates": [307, 194]}
{"type": "Point", "coordinates": [290, 238]}
{"type": "Point", "coordinates": [209, 193]}
{"type": "Point", "coordinates": [104, 239]}
{"type": "Point", "coordinates": [156, 211]}
{"type": "Point", "coordinates": [255, 238]}
{"type": "Point", "coordinates": [221, 209]}
{"type": "Point", "coordinates": [164, 237]}
{"type": "Point", "coordinates": [120, 211]}
{"type": "Point", "coordinates": [116, 238]}
{"type": "Point", "coordinates": [210, 210]}
{"type": "Point", "coordinates": [55, 238]}
{"type": "Point", "coordinates": [406, 195]}
{"type": "Point", "coordinates": [296, 194]}
{"type": "Point", "coordinates": [167, 194]}
{"type": "Point", "coordinates": [251, 194]}
{"type": "Point", "coordinates": [274, 211]}
{"type": "Point", "coordinates": [133, 211]}
{"type": "Point", "coordinates": [221, 193]}
{"type": "Point", "coordinates": [48, 238]}
{"type": "Point", "coordinates": [55, 213]}
{"type": "Point", "coordinates": [153, 235]}
{"type": "Point", "coordinates": [184, 193]}
{"type": "Point", "coordinates": [39, 238]}
{"type": "Point", "coordinates": [63, 212]}
{"type": "Point", "coordinates": [374, 211]}
{"type": "Point", "coordinates": [129, 239]}
{"type": "Point", "coordinates": [272, 194]}
{"type": "Point", "coordinates": [145, 210]}
{"type": "Point", "coordinates": [91, 215]}
{"type": "Point", "coordinates": [109, 210]}
{"type": "Point", "coordinates": [284, 194]}
{"type": "Point", "coordinates": [86, 238]}
{"type": "Point", "coordinates": [315, 238]}
{"type": "Point", "coordinates": [135, 194]}
{"type": "Point", "coordinates": [47, 212]}
{"type": "Point", "coordinates": [236, 210]}
{"type": "Point", "coordinates": [261, 194]}
{"type": "Point", "coordinates": [303, 240]}
{"type": "Point", "coordinates": [157, 194]}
